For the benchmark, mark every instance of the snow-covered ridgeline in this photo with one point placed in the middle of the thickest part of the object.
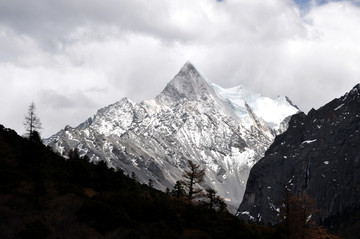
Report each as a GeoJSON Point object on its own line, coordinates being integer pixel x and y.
{"type": "Point", "coordinates": [226, 131]}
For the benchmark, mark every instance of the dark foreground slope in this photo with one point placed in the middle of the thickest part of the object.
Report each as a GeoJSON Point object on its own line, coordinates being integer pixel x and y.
{"type": "Point", "coordinates": [319, 155]}
{"type": "Point", "coordinates": [42, 195]}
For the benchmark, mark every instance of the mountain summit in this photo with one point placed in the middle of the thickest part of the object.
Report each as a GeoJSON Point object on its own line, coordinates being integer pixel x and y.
{"type": "Point", "coordinates": [222, 130]}
{"type": "Point", "coordinates": [188, 84]}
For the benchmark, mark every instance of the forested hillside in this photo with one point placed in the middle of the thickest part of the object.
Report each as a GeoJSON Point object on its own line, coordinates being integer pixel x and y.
{"type": "Point", "coordinates": [43, 195]}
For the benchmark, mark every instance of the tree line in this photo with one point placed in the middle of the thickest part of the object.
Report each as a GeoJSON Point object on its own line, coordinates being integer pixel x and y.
{"type": "Point", "coordinates": [187, 188]}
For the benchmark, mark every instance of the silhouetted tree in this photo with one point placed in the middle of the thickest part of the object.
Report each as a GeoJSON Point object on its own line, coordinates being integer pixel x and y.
{"type": "Point", "coordinates": [297, 214]}
{"type": "Point", "coordinates": [210, 195]}
{"type": "Point", "coordinates": [35, 137]}
{"type": "Point", "coordinates": [178, 190]}
{"type": "Point", "coordinates": [221, 205]}
{"type": "Point", "coordinates": [151, 183]}
{"type": "Point", "coordinates": [32, 122]}
{"type": "Point", "coordinates": [133, 176]}
{"type": "Point", "coordinates": [74, 154]}
{"type": "Point", "coordinates": [194, 175]}
{"type": "Point", "coordinates": [215, 202]}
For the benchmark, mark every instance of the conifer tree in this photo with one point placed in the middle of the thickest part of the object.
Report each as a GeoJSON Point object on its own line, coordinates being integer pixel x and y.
{"type": "Point", "coordinates": [214, 201]}
{"type": "Point", "coordinates": [297, 213]}
{"type": "Point", "coordinates": [178, 190]}
{"type": "Point", "coordinates": [133, 176]}
{"type": "Point", "coordinates": [151, 183]}
{"type": "Point", "coordinates": [193, 176]}
{"type": "Point", "coordinates": [32, 122]}
{"type": "Point", "coordinates": [74, 154]}
{"type": "Point", "coordinates": [211, 196]}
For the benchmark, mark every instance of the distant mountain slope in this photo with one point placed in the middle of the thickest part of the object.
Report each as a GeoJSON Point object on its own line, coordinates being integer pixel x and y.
{"type": "Point", "coordinates": [319, 155]}
{"type": "Point", "coordinates": [191, 119]}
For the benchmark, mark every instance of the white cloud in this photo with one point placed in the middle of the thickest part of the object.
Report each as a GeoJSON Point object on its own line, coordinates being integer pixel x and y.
{"type": "Point", "coordinates": [73, 57]}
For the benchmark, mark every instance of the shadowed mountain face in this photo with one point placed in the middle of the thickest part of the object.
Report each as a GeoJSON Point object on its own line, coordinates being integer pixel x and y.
{"type": "Point", "coordinates": [224, 130]}
{"type": "Point", "coordinates": [319, 155]}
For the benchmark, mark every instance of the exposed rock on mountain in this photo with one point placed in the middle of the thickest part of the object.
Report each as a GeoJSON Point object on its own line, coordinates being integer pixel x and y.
{"type": "Point", "coordinates": [224, 130]}
{"type": "Point", "coordinates": [319, 155]}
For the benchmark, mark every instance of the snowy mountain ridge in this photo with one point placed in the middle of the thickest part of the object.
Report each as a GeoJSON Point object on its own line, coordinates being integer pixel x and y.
{"type": "Point", "coordinates": [226, 131]}
{"type": "Point", "coordinates": [272, 112]}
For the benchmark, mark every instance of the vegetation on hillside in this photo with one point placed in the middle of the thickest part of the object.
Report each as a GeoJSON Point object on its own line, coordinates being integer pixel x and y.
{"type": "Point", "coordinates": [43, 195]}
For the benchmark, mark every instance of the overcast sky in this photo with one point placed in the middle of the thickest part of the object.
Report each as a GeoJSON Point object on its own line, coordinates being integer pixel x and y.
{"type": "Point", "coordinates": [73, 57]}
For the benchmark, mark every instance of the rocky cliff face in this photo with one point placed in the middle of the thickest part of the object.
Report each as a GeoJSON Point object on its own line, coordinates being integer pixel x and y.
{"type": "Point", "coordinates": [319, 155]}
{"type": "Point", "coordinates": [191, 119]}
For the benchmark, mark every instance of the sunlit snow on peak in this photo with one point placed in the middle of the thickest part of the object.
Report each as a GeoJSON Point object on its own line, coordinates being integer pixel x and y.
{"type": "Point", "coordinates": [271, 111]}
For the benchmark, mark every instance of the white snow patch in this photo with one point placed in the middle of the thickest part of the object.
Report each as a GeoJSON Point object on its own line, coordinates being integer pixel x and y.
{"type": "Point", "coordinates": [246, 213]}
{"type": "Point", "coordinates": [69, 135]}
{"type": "Point", "coordinates": [239, 159]}
{"type": "Point", "coordinates": [309, 141]}
{"type": "Point", "coordinates": [339, 107]}
{"type": "Point", "coordinates": [272, 111]}
{"type": "Point", "coordinates": [272, 206]}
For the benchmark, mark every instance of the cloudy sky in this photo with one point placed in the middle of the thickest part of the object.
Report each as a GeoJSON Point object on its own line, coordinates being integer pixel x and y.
{"type": "Point", "coordinates": [73, 57]}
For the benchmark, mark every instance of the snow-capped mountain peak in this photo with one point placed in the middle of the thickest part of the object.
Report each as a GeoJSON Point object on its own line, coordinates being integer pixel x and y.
{"type": "Point", "coordinates": [223, 130]}
{"type": "Point", "coordinates": [188, 84]}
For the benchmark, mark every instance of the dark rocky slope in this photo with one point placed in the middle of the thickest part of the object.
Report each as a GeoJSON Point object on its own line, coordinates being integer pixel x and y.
{"type": "Point", "coordinates": [319, 155]}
